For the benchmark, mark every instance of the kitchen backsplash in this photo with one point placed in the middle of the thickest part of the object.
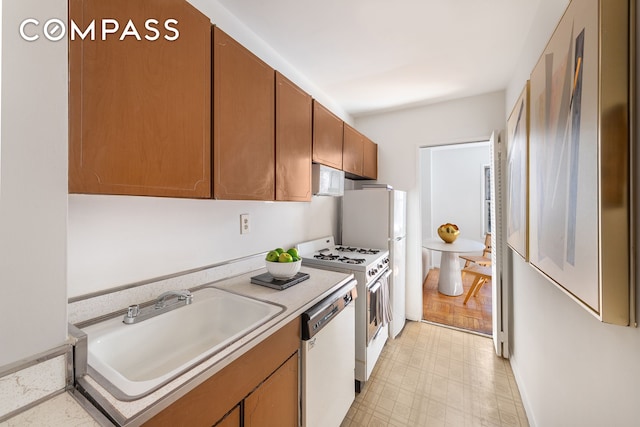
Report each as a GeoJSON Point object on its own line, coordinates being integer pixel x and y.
{"type": "Point", "coordinates": [30, 382]}
{"type": "Point", "coordinates": [84, 308]}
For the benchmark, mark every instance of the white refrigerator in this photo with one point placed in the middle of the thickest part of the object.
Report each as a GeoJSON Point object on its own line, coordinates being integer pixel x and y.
{"type": "Point", "coordinates": [376, 218]}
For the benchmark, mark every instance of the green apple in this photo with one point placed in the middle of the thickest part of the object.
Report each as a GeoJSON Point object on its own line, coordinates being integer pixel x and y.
{"type": "Point", "coordinates": [293, 252]}
{"type": "Point", "coordinates": [285, 257]}
{"type": "Point", "coordinates": [272, 256]}
{"type": "Point", "coordinates": [279, 250]}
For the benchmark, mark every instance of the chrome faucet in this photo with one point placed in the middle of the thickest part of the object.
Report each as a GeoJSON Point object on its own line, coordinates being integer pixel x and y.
{"type": "Point", "coordinates": [166, 301]}
{"type": "Point", "coordinates": [183, 295]}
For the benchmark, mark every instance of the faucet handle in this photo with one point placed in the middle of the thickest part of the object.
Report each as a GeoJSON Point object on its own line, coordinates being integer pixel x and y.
{"type": "Point", "coordinates": [132, 313]}
{"type": "Point", "coordinates": [186, 296]}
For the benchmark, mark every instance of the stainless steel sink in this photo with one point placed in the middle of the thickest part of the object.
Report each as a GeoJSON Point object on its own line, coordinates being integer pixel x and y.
{"type": "Point", "coordinates": [134, 360]}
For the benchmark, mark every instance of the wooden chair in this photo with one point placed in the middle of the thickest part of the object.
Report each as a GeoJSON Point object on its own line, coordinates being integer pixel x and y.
{"type": "Point", "coordinates": [481, 275]}
{"type": "Point", "coordinates": [483, 260]}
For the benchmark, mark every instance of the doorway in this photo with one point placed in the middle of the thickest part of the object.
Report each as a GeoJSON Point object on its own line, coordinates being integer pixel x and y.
{"type": "Point", "coordinates": [455, 188]}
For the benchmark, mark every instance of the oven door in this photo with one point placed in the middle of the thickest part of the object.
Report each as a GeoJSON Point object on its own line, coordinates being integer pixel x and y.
{"type": "Point", "coordinates": [377, 299]}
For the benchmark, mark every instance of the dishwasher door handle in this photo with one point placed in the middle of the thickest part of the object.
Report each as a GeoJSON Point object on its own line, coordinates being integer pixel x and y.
{"type": "Point", "coordinates": [316, 318]}
{"type": "Point", "coordinates": [329, 315]}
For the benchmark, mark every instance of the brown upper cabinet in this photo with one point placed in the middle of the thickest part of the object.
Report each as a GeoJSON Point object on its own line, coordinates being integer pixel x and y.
{"type": "Point", "coordinates": [360, 155]}
{"type": "Point", "coordinates": [293, 141]}
{"type": "Point", "coordinates": [243, 122]}
{"type": "Point", "coordinates": [327, 137]}
{"type": "Point", "coordinates": [140, 110]}
{"type": "Point", "coordinates": [370, 166]}
{"type": "Point", "coordinates": [352, 154]}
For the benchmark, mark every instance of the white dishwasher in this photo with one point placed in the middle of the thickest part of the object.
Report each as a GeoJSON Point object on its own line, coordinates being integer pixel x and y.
{"type": "Point", "coordinates": [328, 359]}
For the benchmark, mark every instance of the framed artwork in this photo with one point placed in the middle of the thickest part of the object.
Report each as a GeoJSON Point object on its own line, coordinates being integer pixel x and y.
{"type": "Point", "coordinates": [580, 164]}
{"type": "Point", "coordinates": [518, 175]}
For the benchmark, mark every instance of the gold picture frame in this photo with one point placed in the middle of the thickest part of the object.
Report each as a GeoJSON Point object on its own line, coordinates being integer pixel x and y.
{"type": "Point", "coordinates": [518, 175]}
{"type": "Point", "coordinates": [580, 198]}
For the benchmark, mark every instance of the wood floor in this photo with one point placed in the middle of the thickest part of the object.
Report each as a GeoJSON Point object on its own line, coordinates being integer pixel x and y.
{"type": "Point", "coordinates": [439, 308]}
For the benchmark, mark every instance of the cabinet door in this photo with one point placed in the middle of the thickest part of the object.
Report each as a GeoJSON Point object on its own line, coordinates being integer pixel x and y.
{"type": "Point", "coordinates": [293, 141]}
{"type": "Point", "coordinates": [140, 110]}
{"type": "Point", "coordinates": [370, 167]}
{"type": "Point", "coordinates": [275, 402]}
{"type": "Point", "coordinates": [352, 155]}
{"type": "Point", "coordinates": [327, 137]}
{"type": "Point", "coordinates": [232, 419]}
{"type": "Point", "coordinates": [243, 123]}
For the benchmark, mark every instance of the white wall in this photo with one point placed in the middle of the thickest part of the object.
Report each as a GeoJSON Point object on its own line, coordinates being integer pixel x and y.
{"type": "Point", "coordinates": [33, 185]}
{"type": "Point", "coordinates": [545, 21]}
{"type": "Point", "coordinates": [452, 179]}
{"type": "Point", "coordinates": [117, 240]}
{"type": "Point", "coordinates": [571, 369]}
{"type": "Point", "coordinates": [400, 134]}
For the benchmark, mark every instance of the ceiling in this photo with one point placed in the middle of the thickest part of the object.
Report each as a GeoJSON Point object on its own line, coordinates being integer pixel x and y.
{"type": "Point", "coordinates": [373, 55]}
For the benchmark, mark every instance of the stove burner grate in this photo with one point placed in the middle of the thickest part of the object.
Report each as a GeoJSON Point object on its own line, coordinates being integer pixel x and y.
{"type": "Point", "coordinates": [357, 250]}
{"type": "Point", "coordinates": [326, 257]}
{"type": "Point", "coordinates": [368, 251]}
{"type": "Point", "coordinates": [348, 260]}
{"type": "Point", "coordinates": [346, 249]}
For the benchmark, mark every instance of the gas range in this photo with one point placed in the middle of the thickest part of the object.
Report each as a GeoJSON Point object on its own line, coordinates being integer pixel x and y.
{"type": "Point", "coordinates": [325, 253]}
{"type": "Point", "coordinates": [371, 269]}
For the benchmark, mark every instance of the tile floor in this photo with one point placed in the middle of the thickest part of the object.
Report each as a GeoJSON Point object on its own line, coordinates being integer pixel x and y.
{"type": "Point", "coordinates": [436, 376]}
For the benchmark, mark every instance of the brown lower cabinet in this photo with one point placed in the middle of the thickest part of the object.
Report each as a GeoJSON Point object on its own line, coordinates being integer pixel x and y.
{"type": "Point", "coordinates": [271, 405]}
{"type": "Point", "coordinates": [232, 419]}
{"type": "Point", "coordinates": [260, 388]}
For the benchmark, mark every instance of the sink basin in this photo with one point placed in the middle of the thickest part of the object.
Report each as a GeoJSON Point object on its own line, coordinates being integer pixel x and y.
{"type": "Point", "coordinates": [136, 359]}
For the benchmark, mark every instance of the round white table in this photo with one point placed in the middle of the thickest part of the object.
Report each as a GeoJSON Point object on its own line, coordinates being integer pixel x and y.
{"type": "Point", "coordinates": [450, 279]}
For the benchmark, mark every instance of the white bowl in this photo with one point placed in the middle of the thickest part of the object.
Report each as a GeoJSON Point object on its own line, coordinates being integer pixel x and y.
{"type": "Point", "coordinates": [283, 270]}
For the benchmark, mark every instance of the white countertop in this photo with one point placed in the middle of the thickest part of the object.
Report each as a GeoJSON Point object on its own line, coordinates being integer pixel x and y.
{"type": "Point", "coordinates": [295, 299]}
{"type": "Point", "coordinates": [61, 410]}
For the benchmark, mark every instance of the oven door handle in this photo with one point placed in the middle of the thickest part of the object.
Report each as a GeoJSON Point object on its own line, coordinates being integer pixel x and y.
{"type": "Point", "coordinates": [374, 288]}
{"type": "Point", "coordinates": [385, 274]}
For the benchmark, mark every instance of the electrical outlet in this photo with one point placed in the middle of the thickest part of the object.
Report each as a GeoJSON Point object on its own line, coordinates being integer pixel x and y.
{"type": "Point", "coordinates": [245, 224]}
